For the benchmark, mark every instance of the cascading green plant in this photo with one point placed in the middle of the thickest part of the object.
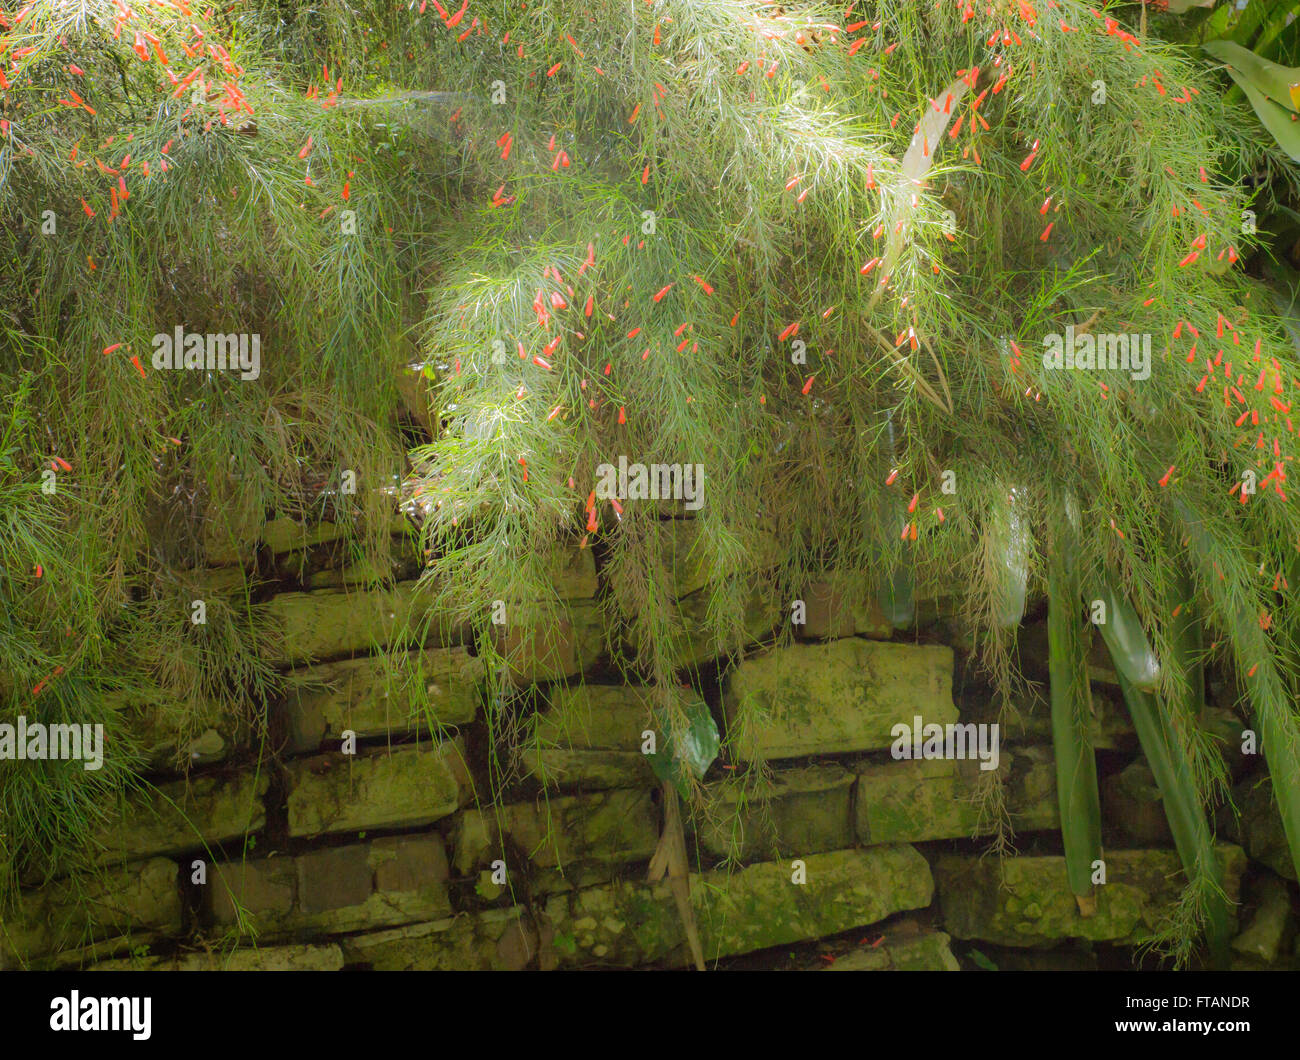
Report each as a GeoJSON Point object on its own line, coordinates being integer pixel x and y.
{"type": "Point", "coordinates": [700, 231]}
{"type": "Point", "coordinates": [1266, 666]}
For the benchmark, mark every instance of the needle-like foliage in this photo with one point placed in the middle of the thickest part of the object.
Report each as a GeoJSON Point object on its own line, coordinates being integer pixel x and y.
{"type": "Point", "coordinates": [819, 252]}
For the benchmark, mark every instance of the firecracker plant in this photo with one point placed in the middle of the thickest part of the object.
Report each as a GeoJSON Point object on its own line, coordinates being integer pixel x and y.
{"type": "Point", "coordinates": [824, 252]}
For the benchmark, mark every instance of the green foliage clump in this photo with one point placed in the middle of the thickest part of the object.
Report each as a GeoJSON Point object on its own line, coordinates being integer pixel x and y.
{"type": "Point", "coordinates": [816, 252]}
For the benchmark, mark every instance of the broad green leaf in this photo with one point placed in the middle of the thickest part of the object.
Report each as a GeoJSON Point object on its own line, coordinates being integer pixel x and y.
{"type": "Point", "coordinates": [1009, 540]}
{"type": "Point", "coordinates": [1279, 19]}
{"type": "Point", "coordinates": [1173, 770]}
{"type": "Point", "coordinates": [1270, 699]}
{"type": "Point", "coordinates": [1076, 765]}
{"type": "Point", "coordinates": [1122, 631]}
{"type": "Point", "coordinates": [897, 598]}
{"type": "Point", "coordinates": [1226, 23]}
{"type": "Point", "coordinates": [1281, 84]}
{"type": "Point", "coordinates": [917, 161]}
{"type": "Point", "coordinates": [1277, 119]}
{"type": "Point", "coordinates": [1284, 286]}
{"type": "Point", "coordinates": [699, 742]}
{"type": "Point", "coordinates": [897, 594]}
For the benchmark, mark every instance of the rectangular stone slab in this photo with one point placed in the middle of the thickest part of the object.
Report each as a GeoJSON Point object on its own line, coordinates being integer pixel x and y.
{"type": "Point", "coordinates": [405, 788]}
{"type": "Point", "coordinates": [683, 551]}
{"type": "Point", "coordinates": [306, 958]}
{"type": "Point", "coordinates": [916, 801]}
{"type": "Point", "coordinates": [390, 881]}
{"type": "Point", "coordinates": [805, 811]}
{"type": "Point", "coordinates": [475, 942]}
{"type": "Point", "coordinates": [695, 645]}
{"type": "Point", "coordinates": [841, 609]}
{"type": "Point", "coordinates": [749, 909]}
{"type": "Point", "coordinates": [176, 736]}
{"type": "Point", "coordinates": [383, 694]}
{"type": "Point", "coordinates": [141, 899]}
{"type": "Point", "coordinates": [568, 645]}
{"type": "Point", "coordinates": [841, 696]}
{"type": "Point", "coordinates": [1109, 728]}
{"type": "Point", "coordinates": [928, 952]}
{"type": "Point", "coordinates": [333, 623]}
{"type": "Point", "coordinates": [564, 838]}
{"type": "Point", "coordinates": [1026, 901]}
{"type": "Point", "coordinates": [591, 735]}
{"type": "Point", "coordinates": [185, 816]}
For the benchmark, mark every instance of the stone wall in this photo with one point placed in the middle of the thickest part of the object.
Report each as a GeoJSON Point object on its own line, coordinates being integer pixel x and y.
{"type": "Point", "coordinates": [358, 827]}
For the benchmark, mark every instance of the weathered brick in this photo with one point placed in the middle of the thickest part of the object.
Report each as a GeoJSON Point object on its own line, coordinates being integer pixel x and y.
{"type": "Point", "coordinates": [264, 889]}
{"type": "Point", "coordinates": [403, 788]}
{"type": "Point", "coordinates": [841, 696]}
{"type": "Point", "coordinates": [685, 555]}
{"type": "Point", "coordinates": [566, 839]}
{"type": "Point", "coordinates": [1026, 901]}
{"type": "Point", "coordinates": [306, 958]}
{"type": "Point", "coordinates": [696, 645]}
{"type": "Point", "coordinates": [385, 693]}
{"type": "Point", "coordinates": [141, 900]}
{"type": "Point", "coordinates": [332, 624]}
{"type": "Point", "coordinates": [805, 811]}
{"type": "Point", "coordinates": [185, 815]}
{"type": "Point", "coordinates": [841, 609]}
{"type": "Point", "coordinates": [407, 863]}
{"type": "Point", "coordinates": [363, 886]}
{"type": "Point", "coordinates": [591, 735]}
{"type": "Point", "coordinates": [750, 909]}
{"type": "Point", "coordinates": [465, 943]}
{"type": "Point", "coordinates": [916, 801]}
{"type": "Point", "coordinates": [539, 652]}
{"type": "Point", "coordinates": [334, 878]}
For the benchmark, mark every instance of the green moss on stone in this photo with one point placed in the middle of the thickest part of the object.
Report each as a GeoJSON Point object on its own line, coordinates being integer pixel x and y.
{"type": "Point", "coordinates": [845, 695]}
{"type": "Point", "coordinates": [405, 788]}
{"type": "Point", "coordinates": [1026, 901]}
